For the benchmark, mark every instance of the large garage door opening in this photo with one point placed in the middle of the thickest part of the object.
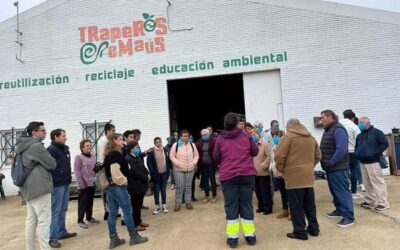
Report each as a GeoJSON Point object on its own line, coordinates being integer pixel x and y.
{"type": "Point", "coordinates": [197, 102]}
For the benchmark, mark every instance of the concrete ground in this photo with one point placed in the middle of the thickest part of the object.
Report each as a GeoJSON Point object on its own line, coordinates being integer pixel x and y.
{"type": "Point", "coordinates": [204, 227]}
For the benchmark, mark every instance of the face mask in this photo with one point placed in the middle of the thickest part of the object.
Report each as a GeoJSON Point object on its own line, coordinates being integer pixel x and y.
{"type": "Point", "coordinates": [254, 138]}
{"type": "Point", "coordinates": [276, 140]}
{"type": "Point", "coordinates": [205, 138]}
{"type": "Point", "coordinates": [180, 143]}
{"type": "Point", "coordinates": [137, 151]}
{"type": "Point", "coordinates": [260, 129]}
{"type": "Point", "coordinates": [39, 139]}
{"type": "Point", "coordinates": [361, 126]}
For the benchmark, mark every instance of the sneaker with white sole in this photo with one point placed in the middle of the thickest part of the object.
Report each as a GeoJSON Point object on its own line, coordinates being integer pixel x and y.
{"type": "Point", "coordinates": [356, 196]}
{"type": "Point", "coordinates": [361, 187]}
{"type": "Point", "coordinates": [343, 223]}
{"type": "Point", "coordinates": [83, 225]}
{"type": "Point", "coordinates": [156, 209]}
{"type": "Point", "coordinates": [381, 208]}
{"type": "Point", "coordinates": [365, 205]}
{"type": "Point", "coordinates": [164, 208]}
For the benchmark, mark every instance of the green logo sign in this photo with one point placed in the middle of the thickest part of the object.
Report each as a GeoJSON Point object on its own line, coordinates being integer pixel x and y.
{"type": "Point", "coordinates": [90, 52]}
{"type": "Point", "coordinates": [149, 24]}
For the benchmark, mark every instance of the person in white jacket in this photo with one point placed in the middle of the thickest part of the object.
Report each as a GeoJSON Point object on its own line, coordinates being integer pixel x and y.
{"type": "Point", "coordinates": [352, 132]}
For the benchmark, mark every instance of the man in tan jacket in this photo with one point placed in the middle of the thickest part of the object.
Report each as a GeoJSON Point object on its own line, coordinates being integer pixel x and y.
{"type": "Point", "coordinates": [295, 157]}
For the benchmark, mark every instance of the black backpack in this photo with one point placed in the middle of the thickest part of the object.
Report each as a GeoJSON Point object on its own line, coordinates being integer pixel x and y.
{"type": "Point", "coordinates": [176, 149]}
{"type": "Point", "coordinates": [19, 173]}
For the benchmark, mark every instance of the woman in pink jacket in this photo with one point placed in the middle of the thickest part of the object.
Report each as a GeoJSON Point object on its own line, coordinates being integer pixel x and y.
{"type": "Point", "coordinates": [184, 157]}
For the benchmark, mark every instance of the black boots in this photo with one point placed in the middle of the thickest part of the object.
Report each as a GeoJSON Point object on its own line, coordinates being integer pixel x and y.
{"type": "Point", "coordinates": [115, 241]}
{"type": "Point", "coordinates": [137, 239]}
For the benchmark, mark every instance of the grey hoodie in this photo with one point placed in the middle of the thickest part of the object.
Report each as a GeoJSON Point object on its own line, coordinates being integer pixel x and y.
{"type": "Point", "coordinates": [36, 157]}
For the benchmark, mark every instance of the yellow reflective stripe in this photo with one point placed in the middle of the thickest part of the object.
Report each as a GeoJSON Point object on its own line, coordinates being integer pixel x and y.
{"type": "Point", "coordinates": [248, 227]}
{"type": "Point", "coordinates": [232, 230]}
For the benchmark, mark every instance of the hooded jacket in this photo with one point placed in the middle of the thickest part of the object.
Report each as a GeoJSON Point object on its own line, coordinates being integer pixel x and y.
{"type": "Point", "coordinates": [36, 157]}
{"type": "Point", "coordinates": [233, 151]}
{"type": "Point", "coordinates": [296, 156]}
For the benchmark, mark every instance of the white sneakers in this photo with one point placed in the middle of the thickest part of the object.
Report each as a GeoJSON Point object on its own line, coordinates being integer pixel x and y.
{"type": "Point", "coordinates": [356, 196]}
{"type": "Point", "coordinates": [165, 208]}
{"type": "Point", "coordinates": [361, 187]}
{"type": "Point", "coordinates": [157, 209]}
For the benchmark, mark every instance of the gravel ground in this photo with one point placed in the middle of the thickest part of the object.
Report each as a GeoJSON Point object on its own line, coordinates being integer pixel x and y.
{"type": "Point", "coordinates": [204, 227]}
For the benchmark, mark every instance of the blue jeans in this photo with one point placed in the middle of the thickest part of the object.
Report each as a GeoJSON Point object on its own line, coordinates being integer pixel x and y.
{"type": "Point", "coordinates": [59, 207]}
{"type": "Point", "coordinates": [160, 186]}
{"type": "Point", "coordinates": [238, 195]}
{"type": "Point", "coordinates": [339, 188]}
{"type": "Point", "coordinates": [118, 196]}
{"type": "Point", "coordinates": [355, 173]}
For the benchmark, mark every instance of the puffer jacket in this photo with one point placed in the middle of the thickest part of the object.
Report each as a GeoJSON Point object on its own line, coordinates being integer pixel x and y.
{"type": "Point", "coordinates": [185, 159]}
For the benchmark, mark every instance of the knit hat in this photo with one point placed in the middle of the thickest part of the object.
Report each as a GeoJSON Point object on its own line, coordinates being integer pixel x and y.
{"type": "Point", "coordinates": [258, 124]}
{"type": "Point", "coordinates": [205, 132]}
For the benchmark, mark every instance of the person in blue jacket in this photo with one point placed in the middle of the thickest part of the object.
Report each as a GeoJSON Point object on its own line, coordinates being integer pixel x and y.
{"type": "Point", "coordinates": [370, 145]}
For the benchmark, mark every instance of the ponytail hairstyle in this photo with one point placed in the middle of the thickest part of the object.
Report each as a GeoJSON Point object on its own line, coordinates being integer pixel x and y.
{"type": "Point", "coordinates": [111, 145]}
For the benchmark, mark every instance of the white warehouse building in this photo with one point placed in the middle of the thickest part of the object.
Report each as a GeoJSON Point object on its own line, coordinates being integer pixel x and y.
{"type": "Point", "coordinates": [162, 66]}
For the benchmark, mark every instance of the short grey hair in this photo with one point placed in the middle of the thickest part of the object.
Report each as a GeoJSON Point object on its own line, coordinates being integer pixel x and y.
{"type": "Point", "coordinates": [365, 119]}
{"type": "Point", "coordinates": [291, 122]}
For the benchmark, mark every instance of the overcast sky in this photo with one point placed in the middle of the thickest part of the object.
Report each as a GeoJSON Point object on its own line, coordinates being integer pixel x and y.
{"type": "Point", "coordinates": [8, 10]}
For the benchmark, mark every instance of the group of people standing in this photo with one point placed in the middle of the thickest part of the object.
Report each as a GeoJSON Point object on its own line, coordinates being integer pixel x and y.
{"type": "Point", "coordinates": [292, 157]}
{"type": "Point", "coordinates": [245, 155]}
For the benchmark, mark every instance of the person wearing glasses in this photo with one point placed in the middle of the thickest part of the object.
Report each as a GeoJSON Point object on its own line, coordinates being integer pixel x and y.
{"type": "Point", "coordinates": [38, 186]}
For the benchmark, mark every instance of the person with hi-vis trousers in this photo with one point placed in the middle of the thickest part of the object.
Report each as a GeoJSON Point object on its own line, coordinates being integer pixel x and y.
{"type": "Point", "coordinates": [233, 151]}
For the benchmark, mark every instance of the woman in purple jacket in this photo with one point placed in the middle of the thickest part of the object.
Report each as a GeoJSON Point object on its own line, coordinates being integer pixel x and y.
{"type": "Point", "coordinates": [234, 151]}
{"type": "Point", "coordinates": [83, 169]}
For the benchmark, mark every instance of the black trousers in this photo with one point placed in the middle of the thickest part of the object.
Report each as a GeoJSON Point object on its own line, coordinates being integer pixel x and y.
{"type": "Point", "coordinates": [208, 174]}
{"type": "Point", "coordinates": [263, 193]}
{"type": "Point", "coordinates": [137, 203]}
{"type": "Point", "coordinates": [85, 203]}
{"type": "Point", "coordinates": [2, 192]}
{"type": "Point", "coordinates": [280, 184]}
{"type": "Point", "coordinates": [302, 203]}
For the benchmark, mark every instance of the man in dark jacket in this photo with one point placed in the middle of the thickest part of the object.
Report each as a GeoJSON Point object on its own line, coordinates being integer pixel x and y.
{"type": "Point", "coordinates": [37, 188]}
{"type": "Point", "coordinates": [370, 145]}
{"type": "Point", "coordinates": [335, 161]}
{"type": "Point", "coordinates": [61, 180]}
